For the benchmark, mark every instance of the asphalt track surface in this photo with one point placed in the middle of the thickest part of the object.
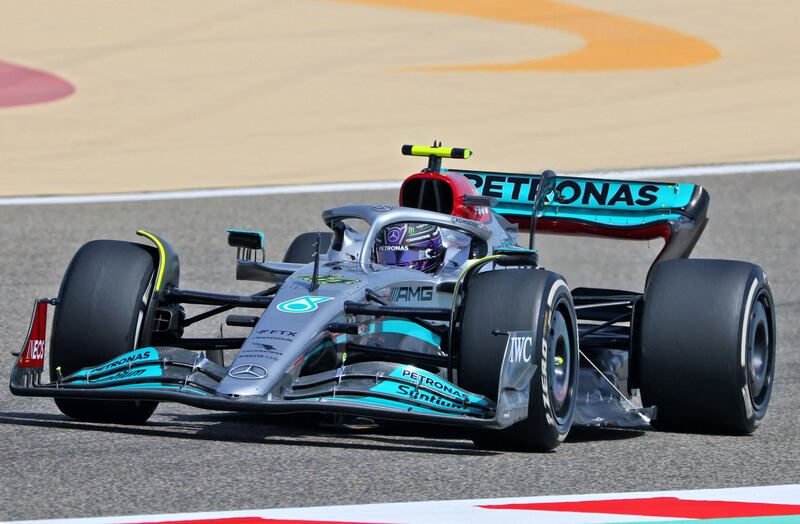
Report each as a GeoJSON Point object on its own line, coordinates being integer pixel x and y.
{"type": "Point", "coordinates": [190, 460]}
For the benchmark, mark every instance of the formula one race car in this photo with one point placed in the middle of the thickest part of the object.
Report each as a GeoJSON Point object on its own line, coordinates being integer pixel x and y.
{"type": "Point", "coordinates": [430, 312]}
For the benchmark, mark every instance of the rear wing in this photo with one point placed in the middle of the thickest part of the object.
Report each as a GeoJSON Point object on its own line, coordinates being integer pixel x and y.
{"type": "Point", "coordinates": [623, 209]}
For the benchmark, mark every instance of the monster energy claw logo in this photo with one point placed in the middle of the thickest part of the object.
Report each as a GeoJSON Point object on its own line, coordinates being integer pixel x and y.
{"type": "Point", "coordinates": [302, 304]}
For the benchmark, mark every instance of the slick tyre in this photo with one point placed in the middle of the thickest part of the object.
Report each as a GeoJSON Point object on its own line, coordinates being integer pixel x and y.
{"type": "Point", "coordinates": [100, 315]}
{"type": "Point", "coordinates": [707, 346]}
{"type": "Point", "coordinates": [522, 300]}
{"type": "Point", "coordinates": [301, 250]}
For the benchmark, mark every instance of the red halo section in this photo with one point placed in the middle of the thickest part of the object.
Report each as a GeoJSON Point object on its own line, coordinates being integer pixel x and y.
{"type": "Point", "coordinates": [21, 86]}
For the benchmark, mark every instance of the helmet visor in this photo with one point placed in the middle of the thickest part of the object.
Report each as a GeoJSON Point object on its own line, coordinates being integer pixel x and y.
{"type": "Point", "coordinates": [405, 258]}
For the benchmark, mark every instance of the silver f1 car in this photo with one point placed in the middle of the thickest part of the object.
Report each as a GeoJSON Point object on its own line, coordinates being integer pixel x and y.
{"type": "Point", "coordinates": [429, 312]}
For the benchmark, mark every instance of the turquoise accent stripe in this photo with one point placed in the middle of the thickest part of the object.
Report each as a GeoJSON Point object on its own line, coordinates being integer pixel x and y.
{"type": "Point", "coordinates": [385, 403]}
{"type": "Point", "coordinates": [595, 216]}
{"type": "Point", "coordinates": [259, 233]}
{"type": "Point", "coordinates": [607, 202]}
{"type": "Point", "coordinates": [119, 364]}
{"type": "Point", "coordinates": [156, 385]}
{"type": "Point", "coordinates": [122, 375]}
{"type": "Point", "coordinates": [434, 382]}
{"type": "Point", "coordinates": [406, 327]}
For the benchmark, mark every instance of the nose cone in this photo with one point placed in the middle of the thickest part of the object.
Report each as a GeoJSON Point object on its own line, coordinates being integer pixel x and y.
{"type": "Point", "coordinates": [294, 323]}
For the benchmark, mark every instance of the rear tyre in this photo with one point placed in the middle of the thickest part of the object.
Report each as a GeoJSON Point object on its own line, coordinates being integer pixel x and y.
{"type": "Point", "coordinates": [522, 300]}
{"type": "Point", "coordinates": [301, 250]}
{"type": "Point", "coordinates": [103, 299]}
{"type": "Point", "coordinates": [708, 346]}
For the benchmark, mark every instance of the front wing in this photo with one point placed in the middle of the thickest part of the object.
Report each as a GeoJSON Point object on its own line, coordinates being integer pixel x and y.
{"type": "Point", "coordinates": [382, 390]}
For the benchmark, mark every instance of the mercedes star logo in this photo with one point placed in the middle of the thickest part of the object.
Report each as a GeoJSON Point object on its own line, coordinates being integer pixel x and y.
{"type": "Point", "coordinates": [394, 234]}
{"type": "Point", "coordinates": [248, 372]}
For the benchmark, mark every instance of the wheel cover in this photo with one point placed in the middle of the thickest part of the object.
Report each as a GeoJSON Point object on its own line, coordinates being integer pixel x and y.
{"type": "Point", "coordinates": [760, 353]}
{"type": "Point", "coordinates": [559, 365]}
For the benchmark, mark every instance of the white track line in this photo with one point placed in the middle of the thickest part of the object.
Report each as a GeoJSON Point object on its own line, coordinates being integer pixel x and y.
{"type": "Point", "coordinates": [459, 511]}
{"type": "Point", "coordinates": [628, 174]}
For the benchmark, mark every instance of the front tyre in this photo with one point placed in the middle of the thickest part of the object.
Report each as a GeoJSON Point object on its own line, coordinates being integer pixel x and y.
{"type": "Point", "coordinates": [522, 300]}
{"type": "Point", "coordinates": [708, 346]}
{"type": "Point", "coordinates": [100, 315]}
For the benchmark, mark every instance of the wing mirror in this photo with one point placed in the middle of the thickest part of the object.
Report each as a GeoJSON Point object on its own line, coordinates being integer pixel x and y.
{"type": "Point", "coordinates": [247, 244]}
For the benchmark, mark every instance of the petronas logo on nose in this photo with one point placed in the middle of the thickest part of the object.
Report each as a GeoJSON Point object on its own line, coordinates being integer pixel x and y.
{"type": "Point", "coordinates": [302, 304]}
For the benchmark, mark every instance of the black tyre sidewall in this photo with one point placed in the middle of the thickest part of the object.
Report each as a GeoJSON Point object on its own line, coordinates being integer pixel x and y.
{"type": "Point", "coordinates": [99, 316]}
{"type": "Point", "coordinates": [696, 313]}
{"type": "Point", "coordinates": [515, 300]}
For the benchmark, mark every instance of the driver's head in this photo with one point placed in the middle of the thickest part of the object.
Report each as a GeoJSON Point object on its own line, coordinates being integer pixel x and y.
{"type": "Point", "coordinates": [411, 245]}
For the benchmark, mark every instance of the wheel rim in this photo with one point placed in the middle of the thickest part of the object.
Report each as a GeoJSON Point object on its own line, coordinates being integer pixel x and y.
{"type": "Point", "coordinates": [759, 353]}
{"type": "Point", "coordinates": [560, 362]}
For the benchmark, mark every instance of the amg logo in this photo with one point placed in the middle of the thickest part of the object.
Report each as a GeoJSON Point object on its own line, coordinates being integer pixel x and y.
{"type": "Point", "coordinates": [409, 294]}
{"type": "Point", "coordinates": [521, 349]}
{"type": "Point", "coordinates": [600, 194]}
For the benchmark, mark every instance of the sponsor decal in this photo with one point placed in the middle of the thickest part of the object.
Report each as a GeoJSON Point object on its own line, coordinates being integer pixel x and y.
{"type": "Point", "coordinates": [270, 333]}
{"type": "Point", "coordinates": [410, 294]}
{"type": "Point", "coordinates": [394, 234]}
{"type": "Point", "coordinates": [421, 378]}
{"type": "Point", "coordinates": [432, 382]}
{"type": "Point", "coordinates": [33, 351]}
{"type": "Point", "coordinates": [584, 193]}
{"type": "Point", "coordinates": [521, 349]}
{"type": "Point", "coordinates": [424, 396]}
{"type": "Point", "coordinates": [304, 304]}
{"type": "Point", "coordinates": [248, 372]}
{"type": "Point", "coordinates": [506, 242]}
{"type": "Point", "coordinates": [393, 248]}
{"type": "Point", "coordinates": [129, 358]}
{"type": "Point", "coordinates": [267, 351]}
{"type": "Point", "coordinates": [124, 374]}
{"type": "Point", "coordinates": [463, 222]}
{"type": "Point", "coordinates": [36, 349]}
{"type": "Point", "coordinates": [329, 279]}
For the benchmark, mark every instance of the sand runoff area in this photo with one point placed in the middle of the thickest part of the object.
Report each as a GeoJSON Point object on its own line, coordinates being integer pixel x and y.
{"type": "Point", "coordinates": [102, 97]}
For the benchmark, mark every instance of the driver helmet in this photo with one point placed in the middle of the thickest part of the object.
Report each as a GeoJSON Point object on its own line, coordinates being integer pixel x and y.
{"type": "Point", "coordinates": [412, 245]}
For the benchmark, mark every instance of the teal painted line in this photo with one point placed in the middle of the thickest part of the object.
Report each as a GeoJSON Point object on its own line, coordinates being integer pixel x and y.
{"type": "Point", "coordinates": [609, 218]}
{"type": "Point", "coordinates": [121, 362]}
{"type": "Point", "coordinates": [588, 193]}
{"type": "Point", "coordinates": [120, 375]}
{"type": "Point", "coordinates": [375, 401]}
{"type": "Point", "coordinates": [435, 382]}
{"type": "Point", "coordinates": [783, 519]}
{"type": "Point", "coordinates": [259, 233]}
{"type": "Point", "coordinates": [403, 391]}
{"type": "Point", "coordinates": [606, 202]}
{"type": "Point", "coordinates": [156, 385]}
{"type": "Point", "coordinates": [405, 327]}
